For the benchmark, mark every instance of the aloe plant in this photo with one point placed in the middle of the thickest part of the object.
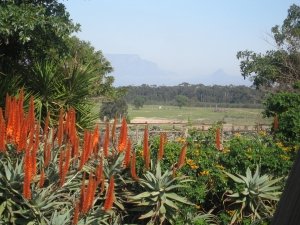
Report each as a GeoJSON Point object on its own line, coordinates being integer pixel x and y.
{"type": "Point", "coordinates": [256, 197]}
{"type": "Point", "coordinates": [158, 199]}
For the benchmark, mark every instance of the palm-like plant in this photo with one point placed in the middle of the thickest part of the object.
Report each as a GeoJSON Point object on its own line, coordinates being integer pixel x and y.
{"type": "Point", "coordinates": [158, 200]}
{"type": "Point", "coordinates": [256, 195]}
{"type": "Point", "coordinates": [58, 87]}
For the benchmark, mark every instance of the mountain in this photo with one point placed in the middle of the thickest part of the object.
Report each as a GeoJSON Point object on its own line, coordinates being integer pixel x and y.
{"type": "Point", "coordinates": [220, 77]}
{"type": "Point", "coordinates": [131, 69]}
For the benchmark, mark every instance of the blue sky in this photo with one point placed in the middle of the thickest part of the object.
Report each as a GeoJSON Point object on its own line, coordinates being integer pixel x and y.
{"type": "Point", "coordinates": [188, 37]}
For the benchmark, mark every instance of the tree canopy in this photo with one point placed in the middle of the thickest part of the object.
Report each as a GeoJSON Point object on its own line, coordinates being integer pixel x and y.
{"type": "Point", "coordinates": [39, 53]}
{"type": "Point", "coordinates": [279, 72]}
{"type": "Point", "coordinates": [277, 69]}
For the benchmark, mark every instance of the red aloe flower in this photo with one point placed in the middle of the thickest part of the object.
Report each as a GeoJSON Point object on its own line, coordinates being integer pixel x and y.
{"type": "Point", "coordinates": [218, 139]}
{"type": "Point", "coordinates": [42, 178]}
{"type": "Point", "coordinates": [27, 174]}
{"type": "Point", "coordinates": [7, 106]}
{"type": "Point", "coordinates": [127, 153]}
{"type": "Point", "coordinates": [162, 141]}
{"type": "Point", "coordinates": [275, 123]}
{"type": "Point", "coordinates": [2, 132]}
{"type": "Point", "coordinates": [146, 152]}
{"type": "Point", "coordinates": [110, 194]}
{"type": "Point", "coordinates": [113, 130]}
{"type": "Point", "coordinates": [86, 149]}
{"type": "Point", "coordinates": [46, 126]}
{"type": "Point", "coordinates": [67, 161]}
{"type": "Point", "coordinates": [133, 166]}
{"type": "Point", "coordinates": [75, 148]}
{"type": "Point", "coordinates": [95, 140]}
{"type": "Point", "coordinates": [31, 115]}
{"type": "Point", "coordinates": [35, 150]}
{"type": "Point", "coordinates": [82, 193]}
{"type": "Point", "coordinates": [47, 154]}
{"type": "Point", "coordinates": [89, 193]}
{"type": "Point", "coordinates": [106, 141]}
{"type": "Point", "coordinates": [76, 214]}
{"type": "Point", "coordinates": [23, 136]}
{"type": "Point", "coordinates": [123, 136]}
{"type": "Point", "coordinates": [182, 155]}
{"type": "Point", "coordinates": [60, 129]}
{"type": "Point", "coordinates": [11, 124]}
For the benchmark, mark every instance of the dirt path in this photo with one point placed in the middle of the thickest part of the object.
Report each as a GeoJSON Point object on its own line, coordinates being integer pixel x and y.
{"type": "Point", "coordinates": [154, 120]}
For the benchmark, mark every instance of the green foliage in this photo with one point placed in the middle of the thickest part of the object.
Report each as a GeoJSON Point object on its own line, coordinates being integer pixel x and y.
{"type": "Point", "coordinates": [287, 107]}
{"type": "Point", "coordinates": [255, 196]}
{"type": "Point", "coordinates": [111, 109]}
{"type": "Point", "coordinates": [37, 52]}
{"type": "Point", "coordinates": [181, 100]}
{"type": "Point", "coordinates": [138, 102]}
{"type": "Point", "coordinates": [32, 30]}
{"type": "Point", "coordinates": [198, 95]}
{"type": "Point", "coordinates": [158, 199]}
{"type": "Point", "coordinates": [55, 88]}
{"type": "Point", "coordinates": [244, 151]}
{"type": "Point", "coordinates": [82, 54]}
{"type": "Point", "coordinates": [276, 69]}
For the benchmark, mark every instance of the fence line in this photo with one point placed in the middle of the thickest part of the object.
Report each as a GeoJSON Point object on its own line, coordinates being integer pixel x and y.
{"type": "Point", "coordinates": [181, 128]}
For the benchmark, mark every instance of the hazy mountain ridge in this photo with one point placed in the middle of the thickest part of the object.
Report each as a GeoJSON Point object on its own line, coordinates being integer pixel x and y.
{"type": "Point", "coordinates": [131, 69]}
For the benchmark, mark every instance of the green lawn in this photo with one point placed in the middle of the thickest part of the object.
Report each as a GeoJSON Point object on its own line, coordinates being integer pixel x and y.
{"type": "Point", "coordinates": [235, 116]}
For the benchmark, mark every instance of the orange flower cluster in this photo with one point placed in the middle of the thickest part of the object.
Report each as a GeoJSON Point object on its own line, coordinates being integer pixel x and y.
{"type": "Point", "coordinates": [127, 154]}
{"type": "Point", "coordinates": [181, 159]}
{"type": "Point", "coordinates": [133, 167]}
{"type": "Point", "coordinates": [87, 194]}
{"type": "Point", "coordinates": [110, 194]}
{"type": "Point", "coordinates": [162, 142]}
{"type": "Point", "coordinates": [64, 163]}
{"type": "Point", "coordinates": [123, 136]}
{"type": "Point", "coordinates": [146, 151]}
{"type": "Point", "coordinates": [21, 130]}
{"type": "Point", "coordinates": [218, 139]}
{"type": "Point", "coordinates": [275, 123]}
{"type": "Point", "coordinates": [106, 141]}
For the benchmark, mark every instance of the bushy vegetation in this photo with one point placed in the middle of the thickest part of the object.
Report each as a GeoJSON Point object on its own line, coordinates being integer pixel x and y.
{"type": "Point", "coordinates": [195, 95]}
{"type": "Point", "coordinates": [57, 175]}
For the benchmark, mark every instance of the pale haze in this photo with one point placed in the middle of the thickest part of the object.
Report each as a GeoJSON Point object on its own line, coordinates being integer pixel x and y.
{"type": "Point", "coordinates": [167, 42]}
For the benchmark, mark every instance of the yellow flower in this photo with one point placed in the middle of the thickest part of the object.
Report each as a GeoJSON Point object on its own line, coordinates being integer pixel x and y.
{"type": "Point", "coordinates": [237, 134]}
{"type": "Point", "coordinates": [226, 150]}
{"type": "Point", "coordinates": [220, 166]}
{"type": "Point", "coordinates": [180, 140]}
{"type": "Point", "coordinates": [197, 152]}
{"type": "Point", "coordinates": [194, 167]}
{"type": "Point", "coordinates": [190, 162]}
{"type": "Point", "coordinates": [204, 173]}
{"type": "Point", "coordinates": [230, 212]}
{"type": "Point", "coordinates": [284, 157]}
{"type": "Point", "coordinates": [279, 144]}
{"type": "Point", "coordinates": [262, 133]}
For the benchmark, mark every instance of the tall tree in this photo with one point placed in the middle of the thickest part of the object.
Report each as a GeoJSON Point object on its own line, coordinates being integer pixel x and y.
{"type": "Point", "coordinates": [279, 72]}
{"type": "Point", "coordinates": [30, 30]}
{"type": "Point", "coordinates": [279, 69]}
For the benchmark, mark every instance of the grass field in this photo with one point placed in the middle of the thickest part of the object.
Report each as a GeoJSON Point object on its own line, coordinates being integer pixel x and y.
{"type": "Point", "coordinates": [234, 116]}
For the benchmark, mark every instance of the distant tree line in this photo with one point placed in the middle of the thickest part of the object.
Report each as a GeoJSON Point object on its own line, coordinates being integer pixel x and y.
{"type": "Point", "coordinates": [195, 95]}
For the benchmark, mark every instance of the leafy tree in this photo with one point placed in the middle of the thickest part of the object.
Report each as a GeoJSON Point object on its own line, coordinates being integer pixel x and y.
{"type": "Point", "coordinates": [117, 107]}
{"type": "Point", "coordinates": [31, 30]}
{"type": "Point", "coordinates": [181, 100]}
{"type": "Point", "coordinates": [38, 52]}
{"type": "Point", "coordinates": [138, 102]}
{"type": "Point", "coordinates": [82, 53]}
{"type": "Point", "coordinates": [279, 71]}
